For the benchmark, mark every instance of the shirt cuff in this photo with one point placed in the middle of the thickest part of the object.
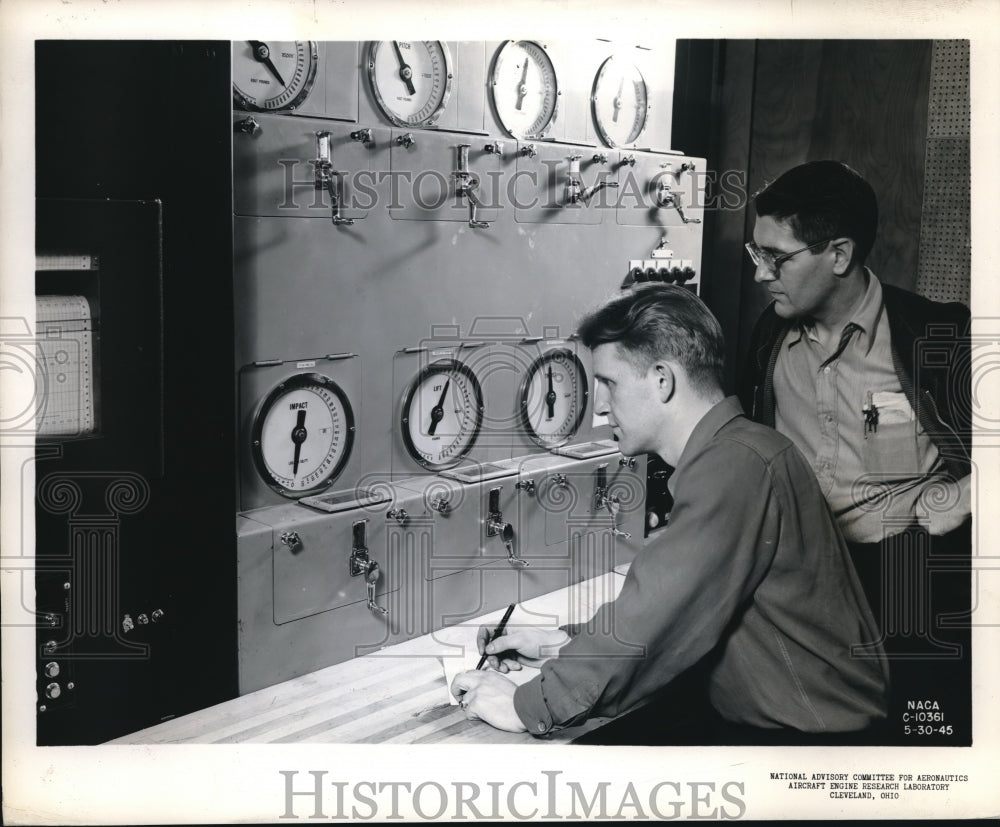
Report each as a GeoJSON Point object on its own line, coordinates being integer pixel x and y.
{"type": "Point", "coordinates": [529, 704]}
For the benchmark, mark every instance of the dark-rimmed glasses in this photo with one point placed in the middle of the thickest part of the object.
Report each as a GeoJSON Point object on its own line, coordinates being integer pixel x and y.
{"type": "Point", "coordinates": [772, 262]}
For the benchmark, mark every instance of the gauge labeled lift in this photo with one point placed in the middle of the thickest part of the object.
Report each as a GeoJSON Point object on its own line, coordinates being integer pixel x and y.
{"type": "Point", "coordinates": [302, 435]}
{"type": "Point", "coordinates": [273, 75]}
{"type": "Point", "coordinates": [442, 414]}
{"type": "Point", "coordinates": [553, 398]}
{"type": "Point", "coordinates": [621, 102]}
{"type": "Point", "coordinates": [411, 80]}
{"type": "Point", "coordinates": [524, 89]}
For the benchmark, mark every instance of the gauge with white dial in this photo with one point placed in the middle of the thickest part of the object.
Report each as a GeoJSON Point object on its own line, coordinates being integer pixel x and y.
{"type": "Point", "coordinates": [273, 74]}
{"type": "Point", "coordinates": [553, 397]}
{"type": "Point", "coordinates": [524, 89]}
{"type": "Point", "coordinates": [442, 413]}
{"type": "Point", "coordinates": [410, 79]}
{"type": "Point", "coordinates": [621, 102]}
{"type": "Point", "coordinates": [302, 435]}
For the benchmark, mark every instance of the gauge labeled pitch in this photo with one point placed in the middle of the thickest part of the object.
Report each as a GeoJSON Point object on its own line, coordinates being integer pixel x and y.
{"type": "Point", "coordinates": [524, 89]}
{"type": "Point", "coordinates": [302, 435]}
{"type": "Point", "coordinates": [621, 102]}
{"type": "Point", "coordinates": [553, 397]}
{"type": "Point", "coordinates": [410, 79]}
{"type": "Point", "coordinates": [442, 413]}
{"type": "Point", "coordinates": [273, 74]}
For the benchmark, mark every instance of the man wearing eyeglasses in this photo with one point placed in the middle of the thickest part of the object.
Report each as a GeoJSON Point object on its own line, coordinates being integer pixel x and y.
{"type": "Point", "coordinates": [867, 380]}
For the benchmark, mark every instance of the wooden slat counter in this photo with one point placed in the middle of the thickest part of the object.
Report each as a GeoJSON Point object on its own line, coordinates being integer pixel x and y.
{"type": "Point", "coordinates": [397, 695]}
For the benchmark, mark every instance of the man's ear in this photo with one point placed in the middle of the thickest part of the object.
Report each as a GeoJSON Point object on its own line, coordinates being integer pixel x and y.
{"type": "Point", "coordinates": [666, 382]}
{"type": "Point", "coordinates": [843, 251]}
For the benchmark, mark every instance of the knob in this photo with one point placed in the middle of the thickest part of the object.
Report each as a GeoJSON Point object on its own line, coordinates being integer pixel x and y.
{"type": "Point", "coordinates": [686, 274]}
{"type": "Point", "coordinates": [651, 273]}
{"type": "Point", "coordinates": [529, 150]}
{"type": "Point", "coordinates": [676, 274]}
{"type": "Point", "coordinates": [441, 505]}
{"type": "Point", "coordinates": [495, 148]}
{"type": "Point", "coordinates": [248, 126]}
{"type": "Point", "coordinates": [527, 486]}
{"type": "Point", "coordinates": [52, 670]}
{"type": "Point", "coordinates": [600, 157]}
{"type": "Point", "coordinates": [127, 624]}
{"type": "Point", "coordinates": [628, 160]}
{"type": "Point", "coordinates": [638, 274]}
{"type": "Point", "coordinates": [291, 539]}
{"type": "Point", "coordinates": [664, 273]}
{"type": "Point", "coordinates": [406, 140]}
{"type": "Point", "coordinates": [53, 690]}
{"type": "Point", "coordinates": [627, 462]}
{"type": "Point", "coordinates": [365, 136]}
{"type": "Point", "coordinates": [157, 615]}
{"type": "Point", "coordinates": [49, 647]}
{"type": "Point", "coordinates": [142, 620]}
{"type": "Point", "coordinates": [398, 514]}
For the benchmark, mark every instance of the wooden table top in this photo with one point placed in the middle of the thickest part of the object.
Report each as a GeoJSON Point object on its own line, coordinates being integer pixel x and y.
{"type": "Point", "coordinates": [398, 695]}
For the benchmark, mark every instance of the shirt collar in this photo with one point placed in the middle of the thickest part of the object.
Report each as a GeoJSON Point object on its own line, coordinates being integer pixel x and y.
{"type": "Point", "coordinates": [708, 426]}
{"type": "Point", "coordinates": [865, 317]}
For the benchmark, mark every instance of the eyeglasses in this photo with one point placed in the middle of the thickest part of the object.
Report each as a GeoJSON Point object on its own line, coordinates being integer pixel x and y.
{"type": "Point", "coordinates": [772, 262]}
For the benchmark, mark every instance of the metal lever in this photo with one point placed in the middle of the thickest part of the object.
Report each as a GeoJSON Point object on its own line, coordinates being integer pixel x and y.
{"type": "Point", "coordinates": [465, 184]}
{"type": "Point", "coordinates": [611, 502]}
{"type": "Point", "coordinates": [496, 527]}
{"type": "Point", "coordinates": [325, 177]}
{"type": "Point", "coordinates": [361, 563]}
{"type": "Point", "coordinates": [665, 197]}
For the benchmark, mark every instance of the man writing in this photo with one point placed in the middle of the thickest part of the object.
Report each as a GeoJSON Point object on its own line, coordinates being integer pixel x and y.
{"type": "Point", "coordinates": [750, 571]}
{"type": "Point", "coordinates": [835, 364]}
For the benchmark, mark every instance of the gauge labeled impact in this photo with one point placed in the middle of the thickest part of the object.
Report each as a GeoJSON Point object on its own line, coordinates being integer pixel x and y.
{"type": "Point", "coordinates": [442, 413]}
{"type": "Point", "coordinates": [410, 79]}
{"type": "Point", "coordinates": [273, 74]}
{"type": "Point", "coordinates": [553, 397]}
{"type": "Point", "coordinates": [302, 435]}
{"type": "Point", "coordinates": [621, 102]}
{"type": "Point", "coordinates": [524, 89]}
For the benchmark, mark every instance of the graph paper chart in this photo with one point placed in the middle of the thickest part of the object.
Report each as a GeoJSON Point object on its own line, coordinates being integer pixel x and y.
{"type": "Point", "coordinates": [64, 335]}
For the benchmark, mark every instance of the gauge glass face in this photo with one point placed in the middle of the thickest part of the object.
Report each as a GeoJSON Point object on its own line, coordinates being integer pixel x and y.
{"type": "Point", "coordinates": [554, 397]}
{"type": "Point", "coordinates": [273, 74]}
{"type": "Point", "coordinates": [442, 414]}
{"type": "Point", "coordinates": [621, 102]}
{"type": "Point", "coordinates": [525, 89]}
{"type": "Point", "coordinates": [411, 79]}
{"type": "Point", "coordinates": [303, 434]}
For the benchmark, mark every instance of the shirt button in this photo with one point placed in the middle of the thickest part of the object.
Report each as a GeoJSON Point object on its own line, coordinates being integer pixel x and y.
{"type": "Point", "coordinates": [541, 727]}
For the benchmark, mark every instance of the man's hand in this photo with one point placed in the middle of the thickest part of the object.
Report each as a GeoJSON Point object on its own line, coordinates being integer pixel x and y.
{"type": "Point", "coordinates": [528, 646]}
{"type": "Point", "coordinates": [946, 504]}
{"type": "Point", "coordinates": [489, 697]}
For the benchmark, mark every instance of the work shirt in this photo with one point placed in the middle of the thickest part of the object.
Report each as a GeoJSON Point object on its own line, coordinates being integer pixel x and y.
{"type": "Point", "coordinates": [845, 410]}
{"type": "Point", "coordinates": [750, 565]}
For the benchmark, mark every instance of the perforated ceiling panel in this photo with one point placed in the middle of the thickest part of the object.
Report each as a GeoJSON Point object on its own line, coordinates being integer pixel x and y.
{"type": "Point", "coordinates": [945, 260]}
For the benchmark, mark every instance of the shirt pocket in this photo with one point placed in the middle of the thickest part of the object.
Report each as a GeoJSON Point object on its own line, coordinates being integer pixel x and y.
{"type": "Point", "coordinates": [891, 448]}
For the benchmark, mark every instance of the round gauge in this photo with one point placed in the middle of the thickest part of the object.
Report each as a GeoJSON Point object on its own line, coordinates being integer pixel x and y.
{"type": "Point", "coordinates": [525, 89]}
{"type": "Point", "coordinates": [553, 397]}
{"type": "Point", "coordinates": [302, 435]}
{"type": "Point", "coordinates": [442, 413]}
{"type": "Point", "coordinates": [411, 80]}
{"type": "Point", "coordinates": [621, 102]}
{"type": "Point", "coordinates": [273, 74]}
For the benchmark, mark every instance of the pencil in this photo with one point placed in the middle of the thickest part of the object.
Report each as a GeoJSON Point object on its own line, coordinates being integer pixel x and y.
{"type": "Point", "coordinates": [497, 632]}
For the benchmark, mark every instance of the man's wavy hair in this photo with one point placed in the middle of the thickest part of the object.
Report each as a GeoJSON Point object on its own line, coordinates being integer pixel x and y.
{"type": "Point", "coordinates": [823, 199]}
{"type": "Point", "coordinates": [661, 321]}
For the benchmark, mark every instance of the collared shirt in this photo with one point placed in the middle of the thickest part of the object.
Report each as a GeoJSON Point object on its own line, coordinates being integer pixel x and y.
{"type": "Point", "coordinates": [751, 565]}
{"type": "Point", "coordinates": [845, 409]}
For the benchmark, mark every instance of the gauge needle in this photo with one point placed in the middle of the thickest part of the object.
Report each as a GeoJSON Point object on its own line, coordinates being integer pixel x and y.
{"type": "Point", "coordinates": [437, 412]}
{"type": "Point", "coordinates": [299, 434]}
{"type": "Point", "coordinates": [405, 72]}
{"type": "Point", "coordinates": [617, 102]}
{"type": "Point", "coordinates": [262, 54]}
{"type": "Point", "coordinates": [522, 87]}
{"type": "Point", "coordinates": [550, 397]}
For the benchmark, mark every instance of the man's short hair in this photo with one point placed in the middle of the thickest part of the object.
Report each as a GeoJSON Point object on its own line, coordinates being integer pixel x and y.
{"type": "Point", "coordinates": [661, 321]}
{"type": "Point", "coordinates": [823, 199]}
